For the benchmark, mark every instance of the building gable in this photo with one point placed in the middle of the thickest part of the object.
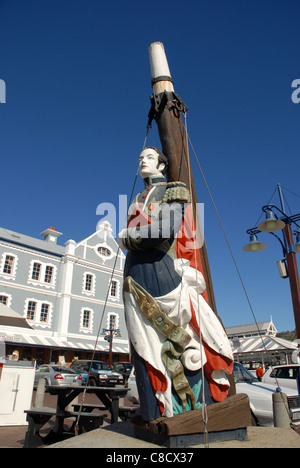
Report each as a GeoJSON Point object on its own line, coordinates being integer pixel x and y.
{"type": "Point", "coordinates": [101, 248]}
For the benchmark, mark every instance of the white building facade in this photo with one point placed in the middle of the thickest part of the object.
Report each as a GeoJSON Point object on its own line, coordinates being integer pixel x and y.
{"type": "Point", "coordinates": [70, 295]}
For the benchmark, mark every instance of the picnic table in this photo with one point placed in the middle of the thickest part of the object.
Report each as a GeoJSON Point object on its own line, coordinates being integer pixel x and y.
{"type": "Point", "coordinates": [85, 420]}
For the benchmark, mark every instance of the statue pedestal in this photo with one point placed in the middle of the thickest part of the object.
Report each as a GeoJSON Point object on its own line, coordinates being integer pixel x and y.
{"type": "Point", "coordinates": [227, 420]}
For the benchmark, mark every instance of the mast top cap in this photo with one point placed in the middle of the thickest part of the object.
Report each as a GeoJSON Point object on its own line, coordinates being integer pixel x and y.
{"type": "Point", "coordinates": [158, 61]}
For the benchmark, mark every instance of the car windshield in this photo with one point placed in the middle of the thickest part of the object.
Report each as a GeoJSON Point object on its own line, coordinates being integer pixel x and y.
{"type": "Point", "coordinates": [122, 366]}
{"type": "Point", "coordinates": [242, 375]}
{"type": "Point", "coordinates": [63, 369]}
{"type": "Point", "coordinates": [100, 366]}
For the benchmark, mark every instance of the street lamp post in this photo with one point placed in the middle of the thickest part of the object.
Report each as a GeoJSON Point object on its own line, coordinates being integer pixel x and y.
{"type": "Point", "coordinates": [283, 223]}
{"type": "Point", "coordinates": [293, 277]}
{"type": "Point", "coordinates": [109, 337]}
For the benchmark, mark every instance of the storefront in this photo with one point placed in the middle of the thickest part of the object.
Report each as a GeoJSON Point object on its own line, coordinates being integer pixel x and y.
{"type": "Point", "coordinates": [265, 350]}
{"type": "Point", "coordinates": [44, 350]}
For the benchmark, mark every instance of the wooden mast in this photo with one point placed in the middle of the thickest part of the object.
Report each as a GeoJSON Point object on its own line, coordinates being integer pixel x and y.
{"type": "Point", "coordinates": [167, 108]}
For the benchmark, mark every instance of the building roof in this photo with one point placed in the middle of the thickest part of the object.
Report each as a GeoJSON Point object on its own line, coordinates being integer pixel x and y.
{"type": "Point", "coordinates": [33, 243]}
{"type": "Point", "coordinates": [252, 329]}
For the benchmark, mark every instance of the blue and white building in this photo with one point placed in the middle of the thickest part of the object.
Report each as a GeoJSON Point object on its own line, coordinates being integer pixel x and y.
{"type": "Point", "coordinates": [69, 295]}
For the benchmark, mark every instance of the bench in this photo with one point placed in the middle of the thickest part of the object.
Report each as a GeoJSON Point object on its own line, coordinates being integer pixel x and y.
{"type": "Point", "coordinates": [38, 417]}
{"type": "Point", "coordinates": [128, 412]}
{"type": "Point", "coordinates": [125, 412]}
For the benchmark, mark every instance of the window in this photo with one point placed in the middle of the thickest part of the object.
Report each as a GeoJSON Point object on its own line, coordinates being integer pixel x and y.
{"type": "Point", "coordinates": [100, 366]}
{"type": "Point", "coordinates": [36, 270]}
{"type": "Point", "coordinates": [31, 309]}
{"type": "Point", "coordinates": [4, 300]}
{"type": "Point", "coordinates": [86, 319]}
{"type": "Point", "coordinates": [8, 264]}
{"type": "Point", "coordinates": [286, 373]}
{"type": "Point", "coordinates": [38, 312]}
{"type": "Point", "coordinates": [112, 322]}
{"type": "Point", "coordinates": [113, 289]}
{"type": "Point", "coordinates": [88, 285]}
{"type": "Point", "coordinates": [48, 274]}
{"type": "Point", "coordinates": [88, 282]}
{"type": "Point", "coordinates": [43, 369]}
{"type": "Point", "coordinates": [42, 274]}
{"type": "Point", "coordinates": [104, 251]}
{"type": "Point", "coordinates": [44, 313]}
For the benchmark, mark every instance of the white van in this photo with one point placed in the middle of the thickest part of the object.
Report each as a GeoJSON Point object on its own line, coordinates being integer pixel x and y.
{"type": "Point", "coordinates": [285, 375]}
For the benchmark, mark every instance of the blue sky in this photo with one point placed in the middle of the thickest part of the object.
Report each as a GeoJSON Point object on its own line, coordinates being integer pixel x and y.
{"type": "Point", "coordinates": [78, 83]}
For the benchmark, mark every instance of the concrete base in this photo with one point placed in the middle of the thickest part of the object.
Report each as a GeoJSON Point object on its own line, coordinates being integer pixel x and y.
{"type": "Point", "coordinates": [123, 436]}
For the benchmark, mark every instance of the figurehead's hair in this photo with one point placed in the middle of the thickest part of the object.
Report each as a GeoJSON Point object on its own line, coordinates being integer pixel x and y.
{"type": "Point", "coordinates": [162, 159]}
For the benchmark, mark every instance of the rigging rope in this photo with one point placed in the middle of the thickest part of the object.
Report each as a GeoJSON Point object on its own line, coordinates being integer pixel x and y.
{"type": "Point", "coordinates": [236, 267]}
{"type": "Point", "coordinates": [204, 407]}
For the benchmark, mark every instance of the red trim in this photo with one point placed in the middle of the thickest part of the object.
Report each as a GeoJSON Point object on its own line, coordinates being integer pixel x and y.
{"type": "Point", "coordinates": [193, 322]}
{"type": "Point", "coordinates": [187, 244]}
{"type": "Point", "coordinates": [138, 218]}
{"type": "Point", "coordinates": [215, 362]}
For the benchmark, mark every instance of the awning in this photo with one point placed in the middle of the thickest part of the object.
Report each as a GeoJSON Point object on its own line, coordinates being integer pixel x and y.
{"type": "Point", "coordinates": [9, 317]}
{"type": "Point", "coordinates": [49, 342]}
{"type": "Point", "coordinates": [260, 344]}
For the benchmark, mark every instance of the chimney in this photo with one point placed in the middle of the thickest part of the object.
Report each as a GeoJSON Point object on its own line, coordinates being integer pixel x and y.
{"type": "Point", "coordinates": [51, 235]}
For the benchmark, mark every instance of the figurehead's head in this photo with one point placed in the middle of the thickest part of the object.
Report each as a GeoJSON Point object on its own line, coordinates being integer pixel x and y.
{"type": "Point", "coordinates": [152, 162]}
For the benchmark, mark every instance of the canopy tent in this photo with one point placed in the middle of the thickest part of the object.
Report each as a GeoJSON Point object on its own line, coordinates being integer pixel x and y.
{"type": "Point", "coordinates": [263, 349]}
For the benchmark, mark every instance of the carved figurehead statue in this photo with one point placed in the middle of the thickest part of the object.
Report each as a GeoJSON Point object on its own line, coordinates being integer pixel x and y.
{"type": "Point", "coordinates": [179, 348]}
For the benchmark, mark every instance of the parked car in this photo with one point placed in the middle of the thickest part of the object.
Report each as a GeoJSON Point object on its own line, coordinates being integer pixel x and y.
{"type": "Point", "coordinates": [123, 368]}
{"type": "Point", "coordinates": [97, 373]}
{"type": "Point", "coordinates": [260, 396]}
{"type": "Point", "coordinates": [284, 375]}
{"type": "Point", "coordinates": [56, 375]}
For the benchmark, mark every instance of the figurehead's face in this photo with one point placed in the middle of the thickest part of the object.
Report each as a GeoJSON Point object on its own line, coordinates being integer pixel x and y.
{"type": "Point", "coordinates": [149, 165]}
